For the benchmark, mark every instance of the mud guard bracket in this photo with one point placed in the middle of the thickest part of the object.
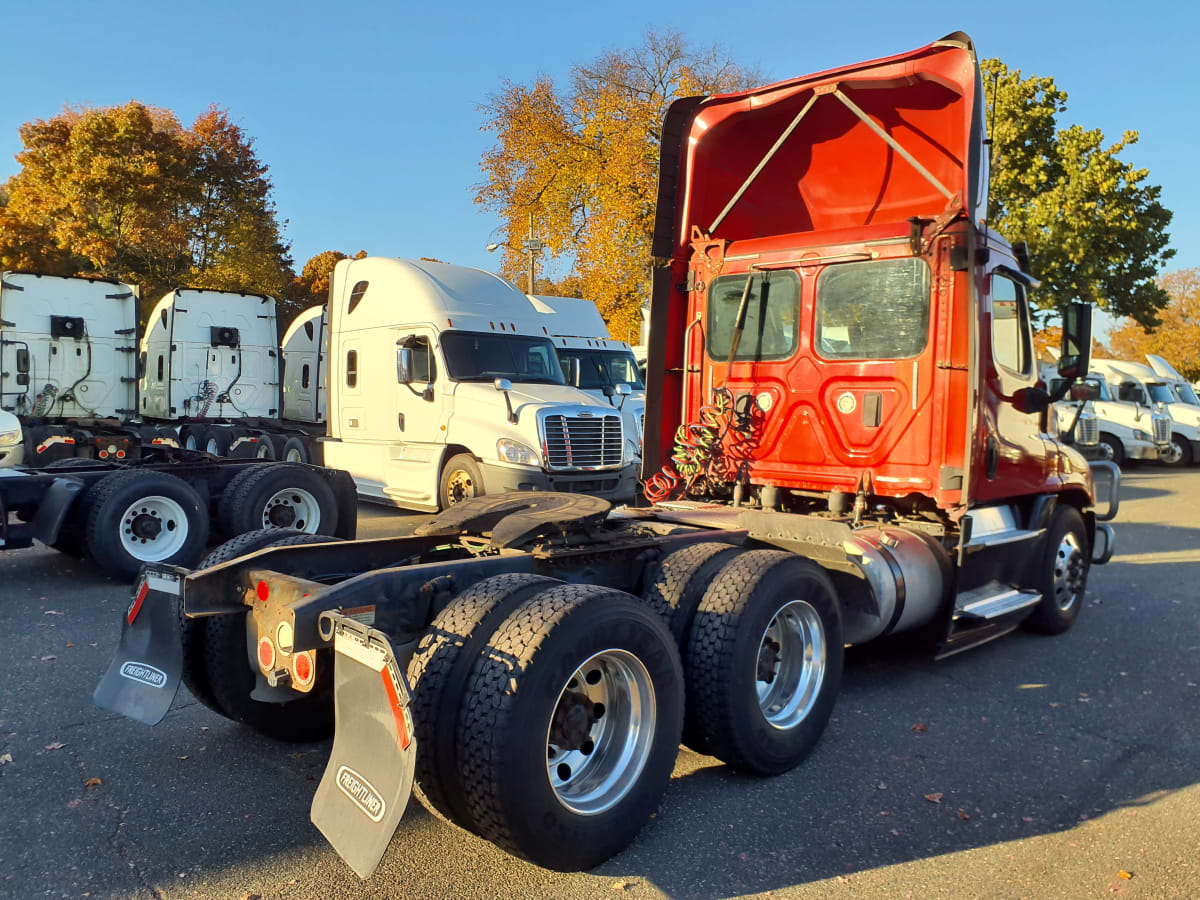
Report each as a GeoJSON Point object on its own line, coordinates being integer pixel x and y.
{"type": "Point", "coordinates": [369, 778]}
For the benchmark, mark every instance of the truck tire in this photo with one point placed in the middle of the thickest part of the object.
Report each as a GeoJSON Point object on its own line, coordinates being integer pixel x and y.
{"type": "Point", "coordinates": [1114, 448]}
{"type": "Point", "coordinates": [438, 676]}
{"type": "Point", "coordinates": [191, 631]}
{"type": "Point", "coordinates": [295, 449]}
{"type": "Point", "coordinates": [217, 440]}
{"type": "Point", "coordinates": [226, 669]}
{"type": "Point", "coordinates": [1063, 574]}
{"type": "Point", "coordinates": [764, 661]}
{"type": "Point", "coordinates": [193, 437]}
{"type": "Point", "coordinates": [265, 447]}
{"type": "Point", "coordinates": [1180, 454]}
{"type": "Point", "coordinates": [278, 496]}
{"type": "Point", "coordinates": [460, 480]}
{"type": "Point", "coordinates": [570, 726]}
{"type": "Point", "coordinates": [679, 582]}
{"type": "Point", "coordinates": [137, 516]}
{"type": "Point", "coordinates": [72, 533]}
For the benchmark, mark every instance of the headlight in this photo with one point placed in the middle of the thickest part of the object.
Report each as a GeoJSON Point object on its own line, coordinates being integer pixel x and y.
{"type": "Point", "coordinates": [632, 451]}
{"type": "Point", "coordinates": [516, 452]}
{"type": "Point", "coordinates": [1140, 435]}
{"type": "Point", "coordinates": [9, 438]}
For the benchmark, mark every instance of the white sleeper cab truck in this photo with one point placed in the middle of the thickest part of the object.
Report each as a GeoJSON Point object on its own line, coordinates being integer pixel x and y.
{"type": "Point", "coordinates": [439, 392]}
{"type": "Point", "coordinates": [591, 360]}
{"type": "Point", "coordinates": [305, 351]}
{"type": "Point", "coordinates": [1184, 391]}
{"type": "Point", "coordinates": [11, 450]}
{"type": "Point", "coordinates": [1129, 429]}
{"type": "Point", "coordinates": [210, 355]}
{"type": "Point", "coordinates": [1147, 388]}
{"type": "Point", "coordinates": [68, 358]}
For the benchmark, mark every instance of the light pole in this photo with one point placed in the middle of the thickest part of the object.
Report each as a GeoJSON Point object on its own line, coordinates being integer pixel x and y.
{"type": "Point", "coordinates": [531, 246]}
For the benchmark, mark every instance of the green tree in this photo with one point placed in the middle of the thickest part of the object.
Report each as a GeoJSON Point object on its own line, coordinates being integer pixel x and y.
{"type": "Point", "coordinates": [1177, 338]}
{"type": "Point", "coordinates": [1096, 228]}
{"type": "Point", "coordinates": [585, 163]}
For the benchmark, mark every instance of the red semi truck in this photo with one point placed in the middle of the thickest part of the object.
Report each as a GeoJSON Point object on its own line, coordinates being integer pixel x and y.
{"type": "Point", "coordinates": [853, 442]}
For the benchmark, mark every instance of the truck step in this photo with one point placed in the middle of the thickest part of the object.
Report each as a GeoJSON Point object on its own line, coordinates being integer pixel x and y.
{"type": "Point", "coordinates": [993, 601]}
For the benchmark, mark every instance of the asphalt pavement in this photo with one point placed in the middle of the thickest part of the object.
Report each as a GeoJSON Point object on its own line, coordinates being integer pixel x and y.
{"type": "Point", "coordinates": [1030, 767]}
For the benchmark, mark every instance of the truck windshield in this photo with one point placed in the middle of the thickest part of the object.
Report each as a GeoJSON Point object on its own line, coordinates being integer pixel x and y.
{"type": "Point", "coordinates": [596, 369]}
{"type": "Point", "coordinates": [1185, 394]}
{"type": "Point", "coordinates": [1160, 393]}
{"type": "Point", "coordinates": [476, 356]}
{"type": "Point", "coordinates": [873, 310]}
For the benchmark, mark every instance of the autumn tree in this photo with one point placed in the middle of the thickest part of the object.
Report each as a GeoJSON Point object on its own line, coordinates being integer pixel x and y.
{"type": "Point", "coordinates": [311, 287]}
{"type": "Point", "coordinates": [126, 192]}
{"type": "Point", "coordinates": [1177, 338]}
{"type": "Point", "coordinates": [1096, 228]}
{"type": "Point", "coordinates": [584, 161]}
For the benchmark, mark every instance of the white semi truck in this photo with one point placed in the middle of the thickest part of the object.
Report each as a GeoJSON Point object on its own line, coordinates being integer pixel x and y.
{"type": "Point", "coordinates": [1142, 386]}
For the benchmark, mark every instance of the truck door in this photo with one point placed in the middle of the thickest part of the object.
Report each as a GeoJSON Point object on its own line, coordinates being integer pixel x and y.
{"type": "Point", "coordinates": [1013, 458]}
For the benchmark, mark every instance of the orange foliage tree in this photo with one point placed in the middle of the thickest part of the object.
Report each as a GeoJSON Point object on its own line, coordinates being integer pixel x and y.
{"type": "Point", "coordinates": [311, 287]}
{"type": "Point", "coordinates": [585, 163]}
{"type": "Point", "coordinates": [1177, 339]}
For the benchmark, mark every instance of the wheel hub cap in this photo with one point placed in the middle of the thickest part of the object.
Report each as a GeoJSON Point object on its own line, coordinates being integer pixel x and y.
{"type": "Point", "coordinates": [147, 526]}
{"type": "Point", "coordinates": [461, 486]}
{"type": "Point", "coordinates": [1069, 567]}
{"type": "Point", "coordinates": [791, 664]}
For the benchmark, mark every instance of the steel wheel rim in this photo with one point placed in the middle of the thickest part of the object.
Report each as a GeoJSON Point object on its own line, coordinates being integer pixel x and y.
{"type": "Point", "coordinates": [1068, 572]}
{"type": "Point", "coordinates": [790, 666]}
{"type": "Point", "coordinates": [459, 486]}
{"type": "Point", "coordinates": [619, 732]}
{"type": "Point", "coordinates": [189, 442]}
{"type": "Point", "coordinates": [154, 528]}
{"type": "Point", "coordinates": [212, 447]}
{"type": "Point", "coordinates": [292, 455]}
{"type": "Point", "coordinates": [264, 449]}
{"type": "Point", "coordinates": [292, 508]}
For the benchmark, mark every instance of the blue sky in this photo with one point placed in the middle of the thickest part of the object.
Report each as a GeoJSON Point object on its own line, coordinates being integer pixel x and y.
{"type": "Point", "coordinates": [368, 112]}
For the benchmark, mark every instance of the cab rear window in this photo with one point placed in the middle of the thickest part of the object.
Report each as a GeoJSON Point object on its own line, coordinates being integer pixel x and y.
{"type": "Point", "coordinates": [772, 312]}
{"type": "Point", "coordinates": [877, 309]}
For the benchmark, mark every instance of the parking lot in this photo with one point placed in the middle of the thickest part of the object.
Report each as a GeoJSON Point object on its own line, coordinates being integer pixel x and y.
{"type": "Point", "coordinates": [1031, 767]}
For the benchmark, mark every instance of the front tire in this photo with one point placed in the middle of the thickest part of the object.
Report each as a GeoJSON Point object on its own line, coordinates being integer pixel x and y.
{"type": "Point", "coordinates": [1180, 454]}
{"type": "Point", "coordinates": [764, 661]}
{"type": "Point", "coordinates": [1114, 449]}
{"type": "Point", "coordinates": [1065, 564]}
{"type": "Point", "coordinates": [571, 726]}
{"type": "Point", "coordinates": [461, 480]}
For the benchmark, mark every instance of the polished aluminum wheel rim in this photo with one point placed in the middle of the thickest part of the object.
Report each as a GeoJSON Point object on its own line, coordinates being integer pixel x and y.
{"type": "Point", "coordinates": [791, 665]}
{"type": "Point", "coordinates": [153, 529]}
{"type": "Point", "coordinates": [189, 442]}
{"type": "Point", "coordinates": [1172, 454]}
{"type": "Point", "coordinates": [292, 508]}
{"type": "Point", "coordinates": [1069, 568]}
{"type": "Point", "coordinates": [601, 732]}
{"type": "Point", "coordinates": [459, 486]}
{"type": "Point", "coordinates": [212, 447]}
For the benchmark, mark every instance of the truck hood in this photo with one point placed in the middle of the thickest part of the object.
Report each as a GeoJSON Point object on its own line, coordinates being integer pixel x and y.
{"type": "Point", "coordinates": [524, 396]}
{"type": "Point", "coordinates": [807, 154]}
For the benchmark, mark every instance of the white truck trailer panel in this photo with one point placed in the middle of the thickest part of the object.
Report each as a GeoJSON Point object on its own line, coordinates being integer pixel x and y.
{"type": "Point", "coordinates": [305, 350]}
{"type": "Point", "coordinates": [210, 354]}
{"type": "Point", "coordinates": [72, 341]}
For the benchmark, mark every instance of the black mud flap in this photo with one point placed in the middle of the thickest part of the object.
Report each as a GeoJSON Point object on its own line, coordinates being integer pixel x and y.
{"type": "Point", "coordinates": [367, 783]}
{"type": "Point", "coordinates": [144, 675]}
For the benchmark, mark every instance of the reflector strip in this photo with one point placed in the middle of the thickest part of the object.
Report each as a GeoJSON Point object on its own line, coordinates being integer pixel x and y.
{"type": "Point", "coordinates": [136, 606]}
{"type": "Point", "coordinates": [397, 710]}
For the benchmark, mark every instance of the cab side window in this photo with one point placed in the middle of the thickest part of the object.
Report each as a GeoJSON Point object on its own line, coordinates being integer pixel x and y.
{"type": "Point", "coordinates": [424, 365]}
{"type": "Point", "coordinates": [1012, 344]}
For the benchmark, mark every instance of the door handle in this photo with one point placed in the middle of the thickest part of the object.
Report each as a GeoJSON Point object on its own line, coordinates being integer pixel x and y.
{"type": "Point", "coordinates": [400, 420]}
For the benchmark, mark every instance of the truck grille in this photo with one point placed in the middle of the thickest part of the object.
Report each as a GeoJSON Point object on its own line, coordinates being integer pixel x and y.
{"type": "Point", "coordinates": [1162, 429]}
{"type": "Point", "coordinates": [1088, 430]}
{"type": "Point", "coordinates": [582, 442]}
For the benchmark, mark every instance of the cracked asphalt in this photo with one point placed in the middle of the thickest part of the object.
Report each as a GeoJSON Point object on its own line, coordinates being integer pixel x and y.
{"type": "Point", "coordinates": [1059, 765]}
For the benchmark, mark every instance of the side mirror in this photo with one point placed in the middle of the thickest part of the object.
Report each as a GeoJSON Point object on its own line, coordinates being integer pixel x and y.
{"type": "Point", "coordinates": [22, 360]}
{"type": "Point", "coordinates": [1031, 400]}
{"type": "Point", "coordinates": [1085, 390]}
{"type": "Point", "coordinates": [404, 365]}
{"type": "Point", "coordinates": [623, 390]}
{"type": "Point", "coordinates": [1076, 353]}
{"type": "Point", "coordinates": [504, 385]}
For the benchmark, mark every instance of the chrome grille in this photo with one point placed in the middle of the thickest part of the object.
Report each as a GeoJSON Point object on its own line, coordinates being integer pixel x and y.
{"type": "Point", "coordinates": [1087, 432]}
{"type": "Point", "coordinates": [1162, 429]}
{"type": "Point", "coordinates": [582, 441]}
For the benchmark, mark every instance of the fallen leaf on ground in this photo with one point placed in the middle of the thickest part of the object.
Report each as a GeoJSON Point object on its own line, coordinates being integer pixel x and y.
{"type": "Point", "coordinates": [920, 728]}
{"type": "Point", "coordinates": [52, 612]}
{"type": "Point", "coordinates": [57, 745]}
{"type": "Point", "coordinates": [935, 798]}
{"type": "Point", "coordinates": [71, 804]}
{"type": "Point", "coordinates": [248, 896]}
{"type": "Point", "coordinates": [69, 644]}
{"type": "Point", "coordinates": [896, 832]}
{"type": "Point", "coordinates": [183, 757]}
{"type": "Point", "coordinates": [963, 815]}
{"type": "Point", "coordinates": [93, 782]}
{"type": "Point", "coordinates": [1124, 874]}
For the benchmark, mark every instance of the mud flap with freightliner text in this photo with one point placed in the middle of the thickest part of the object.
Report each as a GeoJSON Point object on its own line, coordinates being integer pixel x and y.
{"type": "Point", "coordinates": [145, 672]}
{"type": "Point", "coordinates": [369, 778]}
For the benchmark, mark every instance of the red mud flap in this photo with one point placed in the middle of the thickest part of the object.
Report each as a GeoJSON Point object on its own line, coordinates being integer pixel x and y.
{"type": "Point", "coordinates": [144, 675]}
{"type": "Point", "coordinates": [367, 783]}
